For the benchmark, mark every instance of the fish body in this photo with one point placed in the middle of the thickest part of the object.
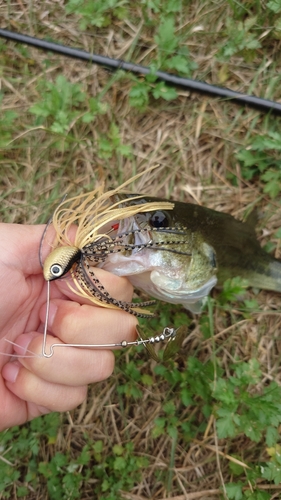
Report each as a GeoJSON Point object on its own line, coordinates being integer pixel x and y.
{"type": "Point", "coordinates": [198, 248]}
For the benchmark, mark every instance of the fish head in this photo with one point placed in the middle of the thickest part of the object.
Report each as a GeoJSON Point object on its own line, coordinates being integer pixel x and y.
{"type": "Point", "coordinates": [162, 257]}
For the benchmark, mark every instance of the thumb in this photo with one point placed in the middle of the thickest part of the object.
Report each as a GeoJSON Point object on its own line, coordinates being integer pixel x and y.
{"type": "Point", "coordinates": [19, 246]}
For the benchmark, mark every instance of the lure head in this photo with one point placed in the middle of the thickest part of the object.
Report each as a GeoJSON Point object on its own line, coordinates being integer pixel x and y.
{"type": "Point", "coordinates": [60, 261]}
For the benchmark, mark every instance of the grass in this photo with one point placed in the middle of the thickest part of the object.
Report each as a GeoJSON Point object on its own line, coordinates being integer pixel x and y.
{"type": "Point", "coordinates": [206, 424]}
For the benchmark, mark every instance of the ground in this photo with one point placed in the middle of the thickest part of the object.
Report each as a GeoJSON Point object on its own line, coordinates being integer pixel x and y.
{"type": "Point", "coordinates": [201, 427]}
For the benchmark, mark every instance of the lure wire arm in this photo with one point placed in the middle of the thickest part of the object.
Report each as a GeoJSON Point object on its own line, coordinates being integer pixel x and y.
{"type": "Point", "coordinates": [46, 323]}
{"type": "Point", "coordinates": [165, 335]}
{"type": "Point", "coordinates": [42, 240]}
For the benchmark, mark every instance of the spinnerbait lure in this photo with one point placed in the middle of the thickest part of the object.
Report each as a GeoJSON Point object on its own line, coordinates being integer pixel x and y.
{"type": "Point", "coordinates": [96, 219]}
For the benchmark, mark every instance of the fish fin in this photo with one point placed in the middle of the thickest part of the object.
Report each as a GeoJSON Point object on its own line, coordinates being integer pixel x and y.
{"type": "Point", "coordinates": [252, 219]}
{"type": "Point", "coordinates": [196, 307]}
{"type": "Point", "coordinates": [268, 277]}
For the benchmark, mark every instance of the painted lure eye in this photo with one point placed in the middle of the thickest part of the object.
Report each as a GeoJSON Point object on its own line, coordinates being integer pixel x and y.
{"type": "Point", "coordinates": [159, 219]}
{"type": "Point", "coordinates": [56, 270]}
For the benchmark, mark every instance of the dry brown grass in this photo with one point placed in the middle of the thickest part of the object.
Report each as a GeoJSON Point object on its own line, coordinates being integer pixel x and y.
{"type": "Point", "coordinates": [194, 139]}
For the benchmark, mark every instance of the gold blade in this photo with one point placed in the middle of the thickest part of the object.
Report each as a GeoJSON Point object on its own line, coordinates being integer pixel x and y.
{"type": "Point", "coordinates": [175, 342]}
{"type": "Point", "coordinates": [148, 346]}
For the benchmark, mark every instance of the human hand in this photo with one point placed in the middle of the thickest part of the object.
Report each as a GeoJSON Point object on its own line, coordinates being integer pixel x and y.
{"type": "Point", "coordinates": [32, 386]}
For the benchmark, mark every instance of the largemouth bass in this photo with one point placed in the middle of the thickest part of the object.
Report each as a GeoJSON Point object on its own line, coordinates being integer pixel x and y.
{"type": "Point", "coordinates": [199, 248]}
{"type": "Point", "coordinates": [176, 252]}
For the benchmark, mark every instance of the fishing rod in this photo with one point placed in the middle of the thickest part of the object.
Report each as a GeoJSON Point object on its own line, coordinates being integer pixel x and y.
{"type": "Point", "coordinates": [264, 105]}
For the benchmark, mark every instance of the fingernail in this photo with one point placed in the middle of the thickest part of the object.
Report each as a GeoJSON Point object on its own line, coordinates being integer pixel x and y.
{"type": "Point", "coordinates": [52, 313]}
{"type": "Point", "coordinates": [22, 343]}
{"type": "Point", "coordinates": [43, 410]}
{"type": "Point", "coordinates": [10, 371]}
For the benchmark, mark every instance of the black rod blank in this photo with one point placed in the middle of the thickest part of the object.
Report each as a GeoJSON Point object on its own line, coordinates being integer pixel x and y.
{"type": "Point", "coordinates": [264, 105]}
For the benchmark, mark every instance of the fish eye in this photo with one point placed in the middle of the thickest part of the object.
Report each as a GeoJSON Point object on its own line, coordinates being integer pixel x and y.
{"type": "Point", "coordinates": [56, 270]}
{"type": "Point", "coordinates": [159, 219]}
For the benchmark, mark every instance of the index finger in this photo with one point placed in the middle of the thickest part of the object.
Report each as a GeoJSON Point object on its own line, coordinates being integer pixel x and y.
{"type": "Point", "coordinates": [118, 287]}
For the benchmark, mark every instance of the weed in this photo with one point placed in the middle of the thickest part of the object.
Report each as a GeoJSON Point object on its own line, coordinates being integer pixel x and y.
{"type": "Point", "coordinates": [7, 123]}
{"type": "Point", "coordinates": [20, 449]}
{"type": "Point", "coordinates": [239, 410]}
{"type": "Point", "coordinates": [163, 8]}
{"type": "Point", "coordinates": [262, 158]}
{"type": "Point", "coordinates": [58, 105]}
{"type": "Point", "coordinates": [274, 5]}
{"type": "Point", "coordinates": [170, 53]}
{"type": "Point", "coordinates": [119, 470]}
{"type": "Point", "coordinates": [63, 474]}
{"type": "Point", "coordinates": [240, 40]}
{"type": "Point", "coordinates": [111, 144]}
{"type": "Point", "coordinates": [170, 56]}
{"type": "Point", "coordinates": [232, 290]}
{"type": "Point", "coordinates": [99, 13]}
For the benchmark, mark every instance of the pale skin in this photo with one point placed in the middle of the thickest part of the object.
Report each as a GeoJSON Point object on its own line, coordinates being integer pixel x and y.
{"type": "Point", "coordinates": [33, 386]}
